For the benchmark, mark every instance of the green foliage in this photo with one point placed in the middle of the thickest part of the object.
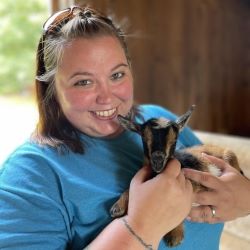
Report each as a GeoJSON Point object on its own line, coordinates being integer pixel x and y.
{"type": "Point", "coordinates": [20, 30]}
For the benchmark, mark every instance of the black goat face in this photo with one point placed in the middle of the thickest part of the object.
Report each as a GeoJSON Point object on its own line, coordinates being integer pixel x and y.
{"type": "Point", "coordinates": [159, 137]}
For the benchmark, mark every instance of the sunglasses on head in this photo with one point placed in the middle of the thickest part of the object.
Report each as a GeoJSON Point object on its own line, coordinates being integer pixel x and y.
{"type": "Point", "coordinates": [60, 18]}
{"type": "Point", "coordinates": [53, 25]}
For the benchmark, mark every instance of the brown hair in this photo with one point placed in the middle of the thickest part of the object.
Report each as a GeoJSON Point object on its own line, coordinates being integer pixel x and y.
{"type": "Point", "coordinates": [53, 128]}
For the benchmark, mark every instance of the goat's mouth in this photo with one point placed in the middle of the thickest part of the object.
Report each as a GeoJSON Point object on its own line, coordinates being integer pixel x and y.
{"type": "Point", "coordinates": [158, 161]}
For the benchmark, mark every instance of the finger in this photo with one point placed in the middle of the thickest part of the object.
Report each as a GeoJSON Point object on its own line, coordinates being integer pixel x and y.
{"type": "Point", "coordinates": [141, 176]}
{"type": "Point", "coordinates": [206, 198]}
{"type": "Point", "coordinates": [173, 168]}
{"type": "Point", "coordinates": [188, 185]}
{"type": "Point", "coordinates": [200, 214]}
{"type": "Point", "coordinates": [184, 182]}
{"type": "Point", "coordinates": [203, 178]}
{"type": "Point", "coordinates": [203, 214]}
{"type": "Point", "coordinates": [181, 180]}
{"type": "Point", "coordinates": [224, 166]}
{"type": "Point", "coordinates": [216, 161]}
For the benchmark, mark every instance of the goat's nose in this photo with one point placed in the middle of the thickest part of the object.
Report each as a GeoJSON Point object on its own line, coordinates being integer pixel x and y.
{"type": "Point", "coordinates": [158, 161]}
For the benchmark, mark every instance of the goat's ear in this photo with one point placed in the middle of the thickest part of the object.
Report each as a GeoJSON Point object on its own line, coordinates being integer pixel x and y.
{"type": "Point", "coordinates": [129, 124]}
{"type": "Point", "coordinates": [183, 120]}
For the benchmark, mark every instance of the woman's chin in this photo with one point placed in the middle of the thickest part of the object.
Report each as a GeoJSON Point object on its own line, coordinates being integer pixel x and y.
{"type": "Point", "coordinates": [103, 132]}
{"type": "Point", "coordinates": [110, 131]}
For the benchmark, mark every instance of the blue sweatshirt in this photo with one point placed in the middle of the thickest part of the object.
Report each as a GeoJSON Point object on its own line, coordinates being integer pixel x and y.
{"type": "Point", "coordinates": [59, 201]}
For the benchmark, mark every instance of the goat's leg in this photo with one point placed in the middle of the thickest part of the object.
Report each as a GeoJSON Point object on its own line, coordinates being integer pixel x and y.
{"type": "Point", "coordinates": [217, 151]}
{"type": "Point", "coordinates": [120, 208]}
{"type": "Point", "coordinates": [174, 237]}
{"type": "Point", "coordinates": [232, 159]}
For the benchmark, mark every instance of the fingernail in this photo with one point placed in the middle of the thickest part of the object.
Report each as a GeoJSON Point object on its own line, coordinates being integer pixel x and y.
{"type": "Point", "coordinates": [185, 171]}
{"type": "Point", "coordinates": [203, 154]}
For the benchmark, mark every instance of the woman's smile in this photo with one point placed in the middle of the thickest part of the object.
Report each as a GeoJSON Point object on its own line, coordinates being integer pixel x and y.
{"type": "Point", "coordinates": [105, 114]}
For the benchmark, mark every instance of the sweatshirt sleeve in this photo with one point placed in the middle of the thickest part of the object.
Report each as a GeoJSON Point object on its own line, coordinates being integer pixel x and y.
{"type": "Point", "coordinates": [32, 215]}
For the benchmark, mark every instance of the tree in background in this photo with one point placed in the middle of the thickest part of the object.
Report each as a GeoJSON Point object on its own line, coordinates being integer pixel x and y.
{"type": "Point", "coordinates": [20, 29]}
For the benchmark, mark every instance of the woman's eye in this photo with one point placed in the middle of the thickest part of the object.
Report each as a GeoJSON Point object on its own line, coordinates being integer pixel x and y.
{"type": "Point", "coordinates": [117, 76]}
{"type": "Point", "coordinates": [83, 83]}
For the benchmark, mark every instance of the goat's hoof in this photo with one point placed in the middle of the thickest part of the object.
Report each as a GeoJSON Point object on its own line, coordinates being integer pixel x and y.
{"type": "Point", "coordinates": [117, 211]}
{"type": "Point", "coordinates": [173, 241]}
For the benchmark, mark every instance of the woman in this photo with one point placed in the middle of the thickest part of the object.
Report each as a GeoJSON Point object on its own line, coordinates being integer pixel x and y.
{"type": "Point", "coordinates": [57, 188]}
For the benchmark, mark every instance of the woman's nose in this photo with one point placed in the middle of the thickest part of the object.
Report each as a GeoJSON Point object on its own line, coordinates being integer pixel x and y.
{"type": "Point", "coordinates": [104, 94]}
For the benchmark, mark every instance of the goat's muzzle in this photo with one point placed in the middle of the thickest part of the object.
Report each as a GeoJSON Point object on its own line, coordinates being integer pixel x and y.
{"type": "Point", "coordinates": [158, 161]}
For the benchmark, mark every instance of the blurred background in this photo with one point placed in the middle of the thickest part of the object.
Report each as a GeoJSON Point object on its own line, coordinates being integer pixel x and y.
{"type": "Point", "coordinates": [183, 52]}
{"type": "Point", "coordinates": [20, 28]}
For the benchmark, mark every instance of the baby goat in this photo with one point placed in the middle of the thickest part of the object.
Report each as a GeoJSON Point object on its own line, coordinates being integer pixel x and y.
{"type": "Point", "coordinates": [159, 138]}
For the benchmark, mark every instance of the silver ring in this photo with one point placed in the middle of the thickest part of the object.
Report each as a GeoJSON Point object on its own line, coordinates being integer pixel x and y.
{"type": "Point", "coordinates": [213, 211]}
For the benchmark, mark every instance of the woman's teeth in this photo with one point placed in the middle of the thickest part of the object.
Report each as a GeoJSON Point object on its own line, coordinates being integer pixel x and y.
{"type": "Point", "coordinates": [105, 113]}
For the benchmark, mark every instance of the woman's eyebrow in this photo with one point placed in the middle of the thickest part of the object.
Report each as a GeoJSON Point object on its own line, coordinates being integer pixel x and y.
{"type": "Point", "coordinates": [119, 65]}
{"type": "Point", "coordinates": [80, 73]}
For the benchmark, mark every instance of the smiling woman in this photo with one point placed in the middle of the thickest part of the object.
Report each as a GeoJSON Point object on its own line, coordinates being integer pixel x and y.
{"type": "Point", "coordinates": [61, 183]}
{"type": "Point", "coordinates": [84, 80]}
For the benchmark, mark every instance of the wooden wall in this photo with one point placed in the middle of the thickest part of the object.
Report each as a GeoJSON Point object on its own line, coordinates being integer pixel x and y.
{"type": "Point", "coordinates": [191, 52]}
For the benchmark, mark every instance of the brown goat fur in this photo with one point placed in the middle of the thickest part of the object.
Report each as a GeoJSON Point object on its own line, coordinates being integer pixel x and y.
{"type": "Point", "coordinates": [159, 138]}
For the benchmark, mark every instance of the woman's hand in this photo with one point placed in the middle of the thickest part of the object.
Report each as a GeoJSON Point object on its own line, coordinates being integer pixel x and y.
{"type": "Point", "coordinates": [158, 205]}
{"type": "Point", "coordinates": [228, 195]}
